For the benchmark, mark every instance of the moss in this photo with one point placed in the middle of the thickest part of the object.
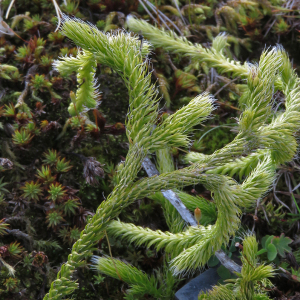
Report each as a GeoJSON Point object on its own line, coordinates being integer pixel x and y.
{"type": "Point", "coordinates": [107, 149]}
{"type": "Point", "coordinates": [114, 99]}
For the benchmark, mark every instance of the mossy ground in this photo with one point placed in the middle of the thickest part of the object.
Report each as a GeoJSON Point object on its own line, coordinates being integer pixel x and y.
{"type": "Point", "coordinates": [33, 277]}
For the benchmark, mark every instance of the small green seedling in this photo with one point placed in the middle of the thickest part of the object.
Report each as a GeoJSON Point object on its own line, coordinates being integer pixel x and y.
{"type": "Point", "coordinates": [273, 245]}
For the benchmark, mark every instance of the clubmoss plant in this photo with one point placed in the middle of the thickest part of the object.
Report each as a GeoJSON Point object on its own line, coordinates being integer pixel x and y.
{"type": "Point", "coordinates": [251, 283]}
{"type": "Point", "coordinates": [265, 140]}
{"type": "Point", "coordinates": [84, 64]}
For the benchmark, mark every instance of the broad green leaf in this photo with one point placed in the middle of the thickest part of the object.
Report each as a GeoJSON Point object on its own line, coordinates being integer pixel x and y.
{"type": "Point", "coordinates": [268, 241]}
{"type": "Point", "coordinates": [261, 251]}
{"type": "Point", "coordinates": [213, 261]}
{"type": "Point", "coordinates": [282, 244]}
{"type": "Point", "coordinates": [272, 252]}
{"type": "Point", "coordinates": [224, 273]}
{"type": "Point", "coordinates": [263, 241]}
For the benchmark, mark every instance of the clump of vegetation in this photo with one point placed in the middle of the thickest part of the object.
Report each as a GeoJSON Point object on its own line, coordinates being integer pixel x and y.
{"type": "Point", "coordinates": [252, 282]}
{"type": "Point", "coordinates": [65, 148]}
{"type": "Point", "coordinates": [255, 133]}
